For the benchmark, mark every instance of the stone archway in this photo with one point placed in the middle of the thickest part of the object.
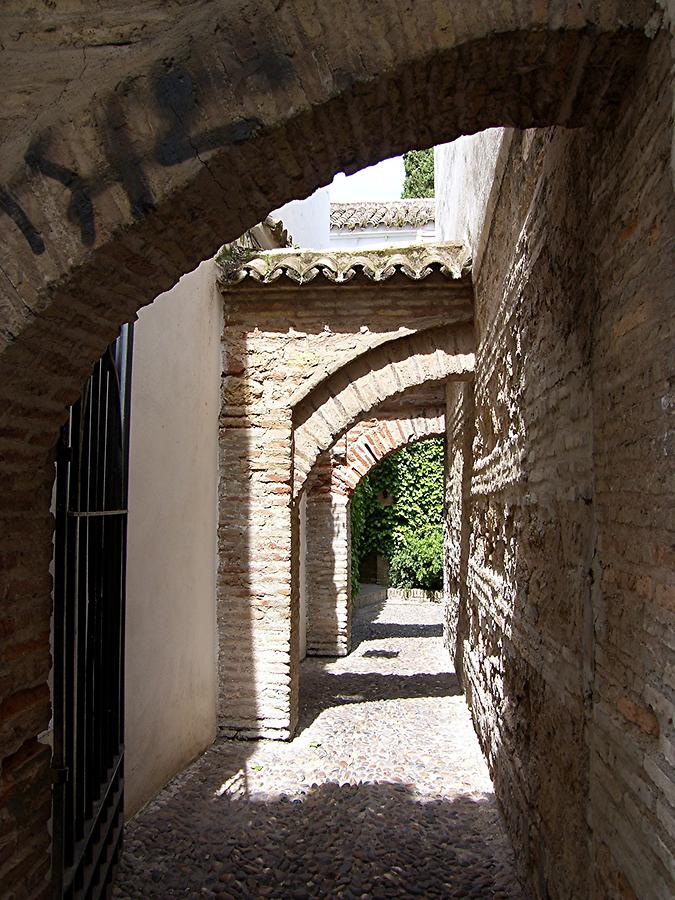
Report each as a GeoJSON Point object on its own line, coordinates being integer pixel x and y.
{"type": "Point", "coordinates": [387, 428]}
{"type": "Point", "coordinates": [76, 160]}
{"type": "Point", "coordinates": [311, 343]}
{"type": "Point", "coordinates": [435, 355]}
{"type": "Point", "coordinates": [208, 122]}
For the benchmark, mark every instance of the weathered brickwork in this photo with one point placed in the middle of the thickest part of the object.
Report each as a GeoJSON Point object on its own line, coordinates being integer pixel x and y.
{"type": "Point", "coordinates": [412, 417]}
{"type": "Point", "coordinates": [138, 138]}
{"type": "Point", "coordinates": [328, 586]}
{"type": "Point", "coordinates": [371, 440]}
{"type": "Point", "coordinates": [632, 762]}
{"type": "Point", "coordinates": [301, 364]}
{"type": "Point", "coordinates": [432, 357]}
{"type": "Point", "coordinates": [564, 643]}
{"type": "Point", "coordinates": [459, 418]}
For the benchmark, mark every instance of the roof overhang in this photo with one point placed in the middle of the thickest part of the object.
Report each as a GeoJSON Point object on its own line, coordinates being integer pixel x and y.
{"type": "Point", "coordinates": [387, 214]}
{"type": "Point", "coordinates": [452, 261]}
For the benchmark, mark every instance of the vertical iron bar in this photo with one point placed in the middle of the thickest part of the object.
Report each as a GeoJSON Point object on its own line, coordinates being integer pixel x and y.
{"type": "Point", "coordinates": [89, 594]}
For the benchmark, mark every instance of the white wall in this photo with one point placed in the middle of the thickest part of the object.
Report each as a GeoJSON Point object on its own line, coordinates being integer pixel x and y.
{"type": "Point", "coordinates": [307, 221]}
{"type": "Point", "coordinates": [170, 712]}
{"type": "Point", "coordinates": [465, 171]}
{"type": "Point", "coordinates": [346, 239]}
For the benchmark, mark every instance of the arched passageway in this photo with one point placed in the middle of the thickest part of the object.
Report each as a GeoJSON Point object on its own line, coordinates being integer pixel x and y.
{"type": "Point", "coordinates": [415, 415]}
{"type": "Point", "coordinates": [111, 193]}
{"type": "Point", "coordinates": [214, 118]}
{"type": "Point", "coordinates": [433, 356]}
{"type": "Point", "coordinates": [311, 343]}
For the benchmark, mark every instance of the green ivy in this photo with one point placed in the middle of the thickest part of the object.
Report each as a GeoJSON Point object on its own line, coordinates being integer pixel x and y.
{"type": "Point", "coordinates": [419, 173]}
{"type": "Point", "coordinates": [397, 512]}
{"type": "Point", "coordinates": [359, 506]}
{"type": "Point", "coordinates": [417, 560]}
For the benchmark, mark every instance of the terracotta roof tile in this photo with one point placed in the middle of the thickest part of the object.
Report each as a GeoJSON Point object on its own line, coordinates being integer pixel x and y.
{"type": "Point", "coordinates": [390, 214]}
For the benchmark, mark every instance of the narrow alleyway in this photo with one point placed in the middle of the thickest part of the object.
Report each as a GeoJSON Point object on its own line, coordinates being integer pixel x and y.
{"type": "Point", "coordinates": [383, 793]}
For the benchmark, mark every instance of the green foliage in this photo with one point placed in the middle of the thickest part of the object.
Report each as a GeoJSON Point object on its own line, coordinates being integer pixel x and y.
{"type": "Point", "coordinates": [397, 512]}
{"type": "Point", "coordinates": [419, 173]}
{"type": "Point", "coordinates": [360, 503]}
{"type": "Point", "coordinates": [417, 559]}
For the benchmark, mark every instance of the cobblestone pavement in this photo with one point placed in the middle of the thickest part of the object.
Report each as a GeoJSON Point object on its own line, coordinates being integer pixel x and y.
{"type": "Point", "coordinates": [383, 792]}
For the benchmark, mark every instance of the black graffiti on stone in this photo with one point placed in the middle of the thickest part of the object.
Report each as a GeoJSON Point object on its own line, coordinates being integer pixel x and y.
{"type": "Point", "coordinates": [124, 161]}
{"type": "Point", "coordinates": [176, 97]}
{"type": "Point", "coordinates": [80, 208]}
{"type": "Point", "coordinates": [18, 215]}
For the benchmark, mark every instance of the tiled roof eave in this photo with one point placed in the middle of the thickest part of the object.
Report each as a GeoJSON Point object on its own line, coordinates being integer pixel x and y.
{"type": "Point", "coordinates": [389, 214]}
{"type": "Point", "coordinates": [301, 267]}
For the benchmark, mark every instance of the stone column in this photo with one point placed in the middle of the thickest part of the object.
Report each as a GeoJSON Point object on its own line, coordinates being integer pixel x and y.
{"type": "Point", "coordinates": [328, 572]}
{"type": "Point", "coordinates": [256, 665]}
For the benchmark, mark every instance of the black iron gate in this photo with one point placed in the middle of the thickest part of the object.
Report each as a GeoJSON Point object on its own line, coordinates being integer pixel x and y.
{"type": "Point", "coordinates": [89, 591]}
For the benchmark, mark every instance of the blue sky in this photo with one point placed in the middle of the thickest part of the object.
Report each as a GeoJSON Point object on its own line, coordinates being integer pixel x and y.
{"type": "Point", "coordinates": [383, 181]}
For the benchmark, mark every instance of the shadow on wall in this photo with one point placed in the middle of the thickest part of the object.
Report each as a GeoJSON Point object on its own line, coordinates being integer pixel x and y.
{"type": "Point", "coordinates": [357, 839]}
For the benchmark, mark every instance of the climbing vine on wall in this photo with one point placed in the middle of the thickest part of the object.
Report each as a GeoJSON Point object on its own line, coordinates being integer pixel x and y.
{"type": "Point", "coordinates": [397, 512]}
{"type": "Point", "coordinates": [419, 173]}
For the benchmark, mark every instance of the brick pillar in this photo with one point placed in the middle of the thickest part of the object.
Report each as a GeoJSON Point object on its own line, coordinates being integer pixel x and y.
{"type": "Point", "coordinates": [458, 468]}
{"type": "Point", "coordinates": [328, 573]}
{"type": "Point", "coordinates": [257, 670]}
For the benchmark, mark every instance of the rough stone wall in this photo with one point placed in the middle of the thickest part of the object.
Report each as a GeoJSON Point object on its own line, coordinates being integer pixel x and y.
{"type": "Point", "coordinates": [531, 547]}
{"type": "Point", "coordinates": [632, 226]}
{"type": "Point", "coordinates": [564, 648]}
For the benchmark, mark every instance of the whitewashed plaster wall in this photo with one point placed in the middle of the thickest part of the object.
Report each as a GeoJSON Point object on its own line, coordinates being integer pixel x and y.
{"type": "Point", "coordinates": [307, 221]}
{"type": "Point", "coordinates": [356, 238]}
{"type": "Point", "coordinates": [465, 172]}
{"type": "Point", "coordinates": [170, 626]}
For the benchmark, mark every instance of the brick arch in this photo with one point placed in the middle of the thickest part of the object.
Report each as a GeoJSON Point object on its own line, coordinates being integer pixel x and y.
{"type": "Point", "coordinates": [379, 439]}
{"type": "Point", "coordinates": [138, 164]}
{"type": "Point", "coordinates": [438, 354]}
{"type": "Point", "coordinates": [329, 490]}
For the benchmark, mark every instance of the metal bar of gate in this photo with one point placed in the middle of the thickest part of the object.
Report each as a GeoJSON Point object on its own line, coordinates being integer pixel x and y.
{"type": "Point", "coordinates": [89, 589]}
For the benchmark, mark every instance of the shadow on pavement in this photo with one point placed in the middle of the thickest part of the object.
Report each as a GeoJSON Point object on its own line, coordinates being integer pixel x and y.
{"type": "Point", "coordinates": [337, 841]}
{"type": "Point", "coordinates": [327, 689]}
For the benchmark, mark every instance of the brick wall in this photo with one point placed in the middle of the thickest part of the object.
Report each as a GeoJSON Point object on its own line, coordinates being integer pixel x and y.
{"type": "Point", "coordinates": [459, 418]}
{"type": "Point", "coordinates": [301, 363]}
{"type": "Point", "coordinates": [563, 644]}
{"type": "Point", "coordinates": [632, 247]}
{"type": "Point", "coordinates": [329, 589]}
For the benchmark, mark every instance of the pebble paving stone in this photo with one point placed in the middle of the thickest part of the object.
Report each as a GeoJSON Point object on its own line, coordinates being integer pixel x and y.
{"type": "Point", "coordinates": [383, 792]}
